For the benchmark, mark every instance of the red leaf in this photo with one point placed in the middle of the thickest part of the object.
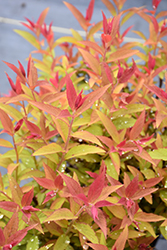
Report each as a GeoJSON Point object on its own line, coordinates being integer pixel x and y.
{"type": "Point", "coordinates": [9, 206]}
{"type": "Point", "coordinates": [94, 212]}
{"type": "Point", "coordinates": [105, 24]}
{"type": "Point", "coordinates": [49, 173]}
{"type": "Point", "coordinates": [11, 82]}
{"type": "Point", "coordinates": [152, 182]}
{"type": "Point", "coordinates": [71, 93]}
{"type": "Point", "coordinates": [159, 92]}
{"type": "Point", "coordinates": [16, 70]}
{"type": "Point", "coordinates": [132, 188]}
{"type": "Point", "coordinates": [96, 188]}
{"type": "Point", "coordinates": [72, 185]}
{"type": "Point", "coordinates": [22, 69]}
{"type": "Point", "coordinates": [59, 182]}
{"type": "Point", "coordinates": [108, 72]}
{"type": "Point", "coordinates": [128, 73]}
{"type": "Point", "coordinates": [101, 222]}
{"type": "Point", "coordinates": [34, 129]}
{"type": "Point", "coordinates": [103, 204]}
{"type": "Point", "coordinates": [27, 198]}
{"type": "Point", "coordinates": [46, 183]}
{"type": "Point", "coordinates": [17, 237]}
{"type": "Point", "coordinates": [137, 128]}
{"type": "Point", "coordinates": [89, 11]}
{"type": "Point", "coordinates": [2, 238]}
{"type": "Point", "coordinates": [12, 226]}
{"type": "Point", "coordinates": [143, 192]}
{"type": "Point", "coordinates": [151, 62]}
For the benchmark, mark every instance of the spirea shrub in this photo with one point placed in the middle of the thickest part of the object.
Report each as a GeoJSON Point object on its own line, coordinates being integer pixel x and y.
{"type": "Point", "coordinates": [88, 131]}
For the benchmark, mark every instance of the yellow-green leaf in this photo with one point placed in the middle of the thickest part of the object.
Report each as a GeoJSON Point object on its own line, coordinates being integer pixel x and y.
{"type": "Point", "coordinates": [14, 113]}
{"type": "Point", "coordinates": [83, 150]}
{"type": "Point", "coordinates": [87, 231]}
{"type": "Point", "coordinates": [62, 242]}
{"type": "Point", "coordinates": [51, 148]}
{"type": "Point", "coordinates": [33, 243]}
{"type": "Point", "coordinates": [61, 214]}
{"type": "Point", "coordinates": [29, 37]}
{"type": "Point", "coordinates": [160, 153]}
{"type": "Point", "coordinates": [6, 144]}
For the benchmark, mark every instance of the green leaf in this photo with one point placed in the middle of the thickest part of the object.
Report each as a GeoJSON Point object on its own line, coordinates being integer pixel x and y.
{"type": "Point", "coordinates": [33, 243]}
{"type": "Point", "coordinates": [111, 171]}
{"type": "Point", "coordinates": [83, 150]}
{"type": "Point", "coordinates": [87, 231]}
{"type": "Point", "coordinates": [29, 37]}
{"type": "Point", "coordinates": [160, 153]}
{"type": "Point", "coordinates": [61, 214]}
{"type": "Point", "coordinates": [130, 109]}
{"type": "Point", "coordinates": [46, 247]}
{"type": "Point", "coordinates": [62, 242]}
{"type": "Point", "coordinates": [51, 148]}
{"type": "Point", "coordinates": [123, 122]}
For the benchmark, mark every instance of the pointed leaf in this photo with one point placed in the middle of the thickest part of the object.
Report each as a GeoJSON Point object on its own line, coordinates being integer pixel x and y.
{"type": "Point", "coordinates": [80, 150]}
{"type": "Point", "coordinates": [87, 231]}
{"type": "Point", "coordinates": [121, 54]}
{"type": "Point", "coordinates": [87, 136]}
{"type": "Point", "coordinates": [16, 190]}
{"type": "Point", "coordinates": [93, 46]}
{"type": "Point", "coordinates": [120, 242]}
{"type": "Point", "coordinates": [132, 188]}
{"type": "Point", "coordinates": [49, 173]}
{"type": "Point", "coordinates": [78, 15]}
{"type": "Point", "coordinates": [110, 127]}
{"type": "Point", "coordinates": [91, 60]}
{"type": "Point", "coordinates": [12, 226]}
{"type": "Point", "coordinates": [71, 93]}
{"type": "Point", "coordinates": [160, 154]}
{"type": "Point", "coordinates": [46, 183]}
{"type": "Point", "coordinates": [137, 128]}
{"type": "Point", "coordinates": [2, 237]}
{"type": "Point", "coordinates": [89, 11]}
{"type": "Point", "coordinates": [62, 242]}
{"type": "Point", "coordinates": [110, 7]}
{"type": "Point", "coordinates": [6, 122]}
{"type": "Point", "coordinates": [96, 187]}
{"type": "Point", "coordinates": [9, 206]}
{"type": "Point", "coordinates": [61, 214]}
{"type": "Point", "coordinates": [91, 98]}
{"type": "Point", "coordinates": [149, 217]}
{"type": "Point", "coordinates": [51, 148]}
{"type": "Point", "coordinates": [27, 198]}
{"type": "Point", "coordinates": [72, 185]}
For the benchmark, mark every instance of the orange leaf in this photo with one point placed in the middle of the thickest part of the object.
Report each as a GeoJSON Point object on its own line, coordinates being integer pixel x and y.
{"type": "Point", "coordinates": [6, 122]}
{"type": "Point", "coordinates": [91, 98]}
{"type": "Point", "coordinates": [149, 217]}
{"type": "Point", "coordinates": [137, 128]}
{"type": "Point", "coordinates": [120, 242]}
{"type": "Point", "coordinates": [94, 46]}
{"type": "Point", "coordinates": [91, 60]}
{"type": "Point", "coordinates": [110, 7]}
{"type": "Point", "coordinates": [78, 15]}
{"type": "Point", "coordinates": [121, 54]}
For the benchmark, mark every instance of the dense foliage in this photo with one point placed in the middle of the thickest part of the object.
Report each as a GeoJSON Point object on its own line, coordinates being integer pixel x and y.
{"type": "Point", "coordinates": [89, 133]}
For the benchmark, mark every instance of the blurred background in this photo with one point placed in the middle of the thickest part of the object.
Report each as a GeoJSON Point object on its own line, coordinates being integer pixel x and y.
{"type": "Point", "coordinates": [14, 48]}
